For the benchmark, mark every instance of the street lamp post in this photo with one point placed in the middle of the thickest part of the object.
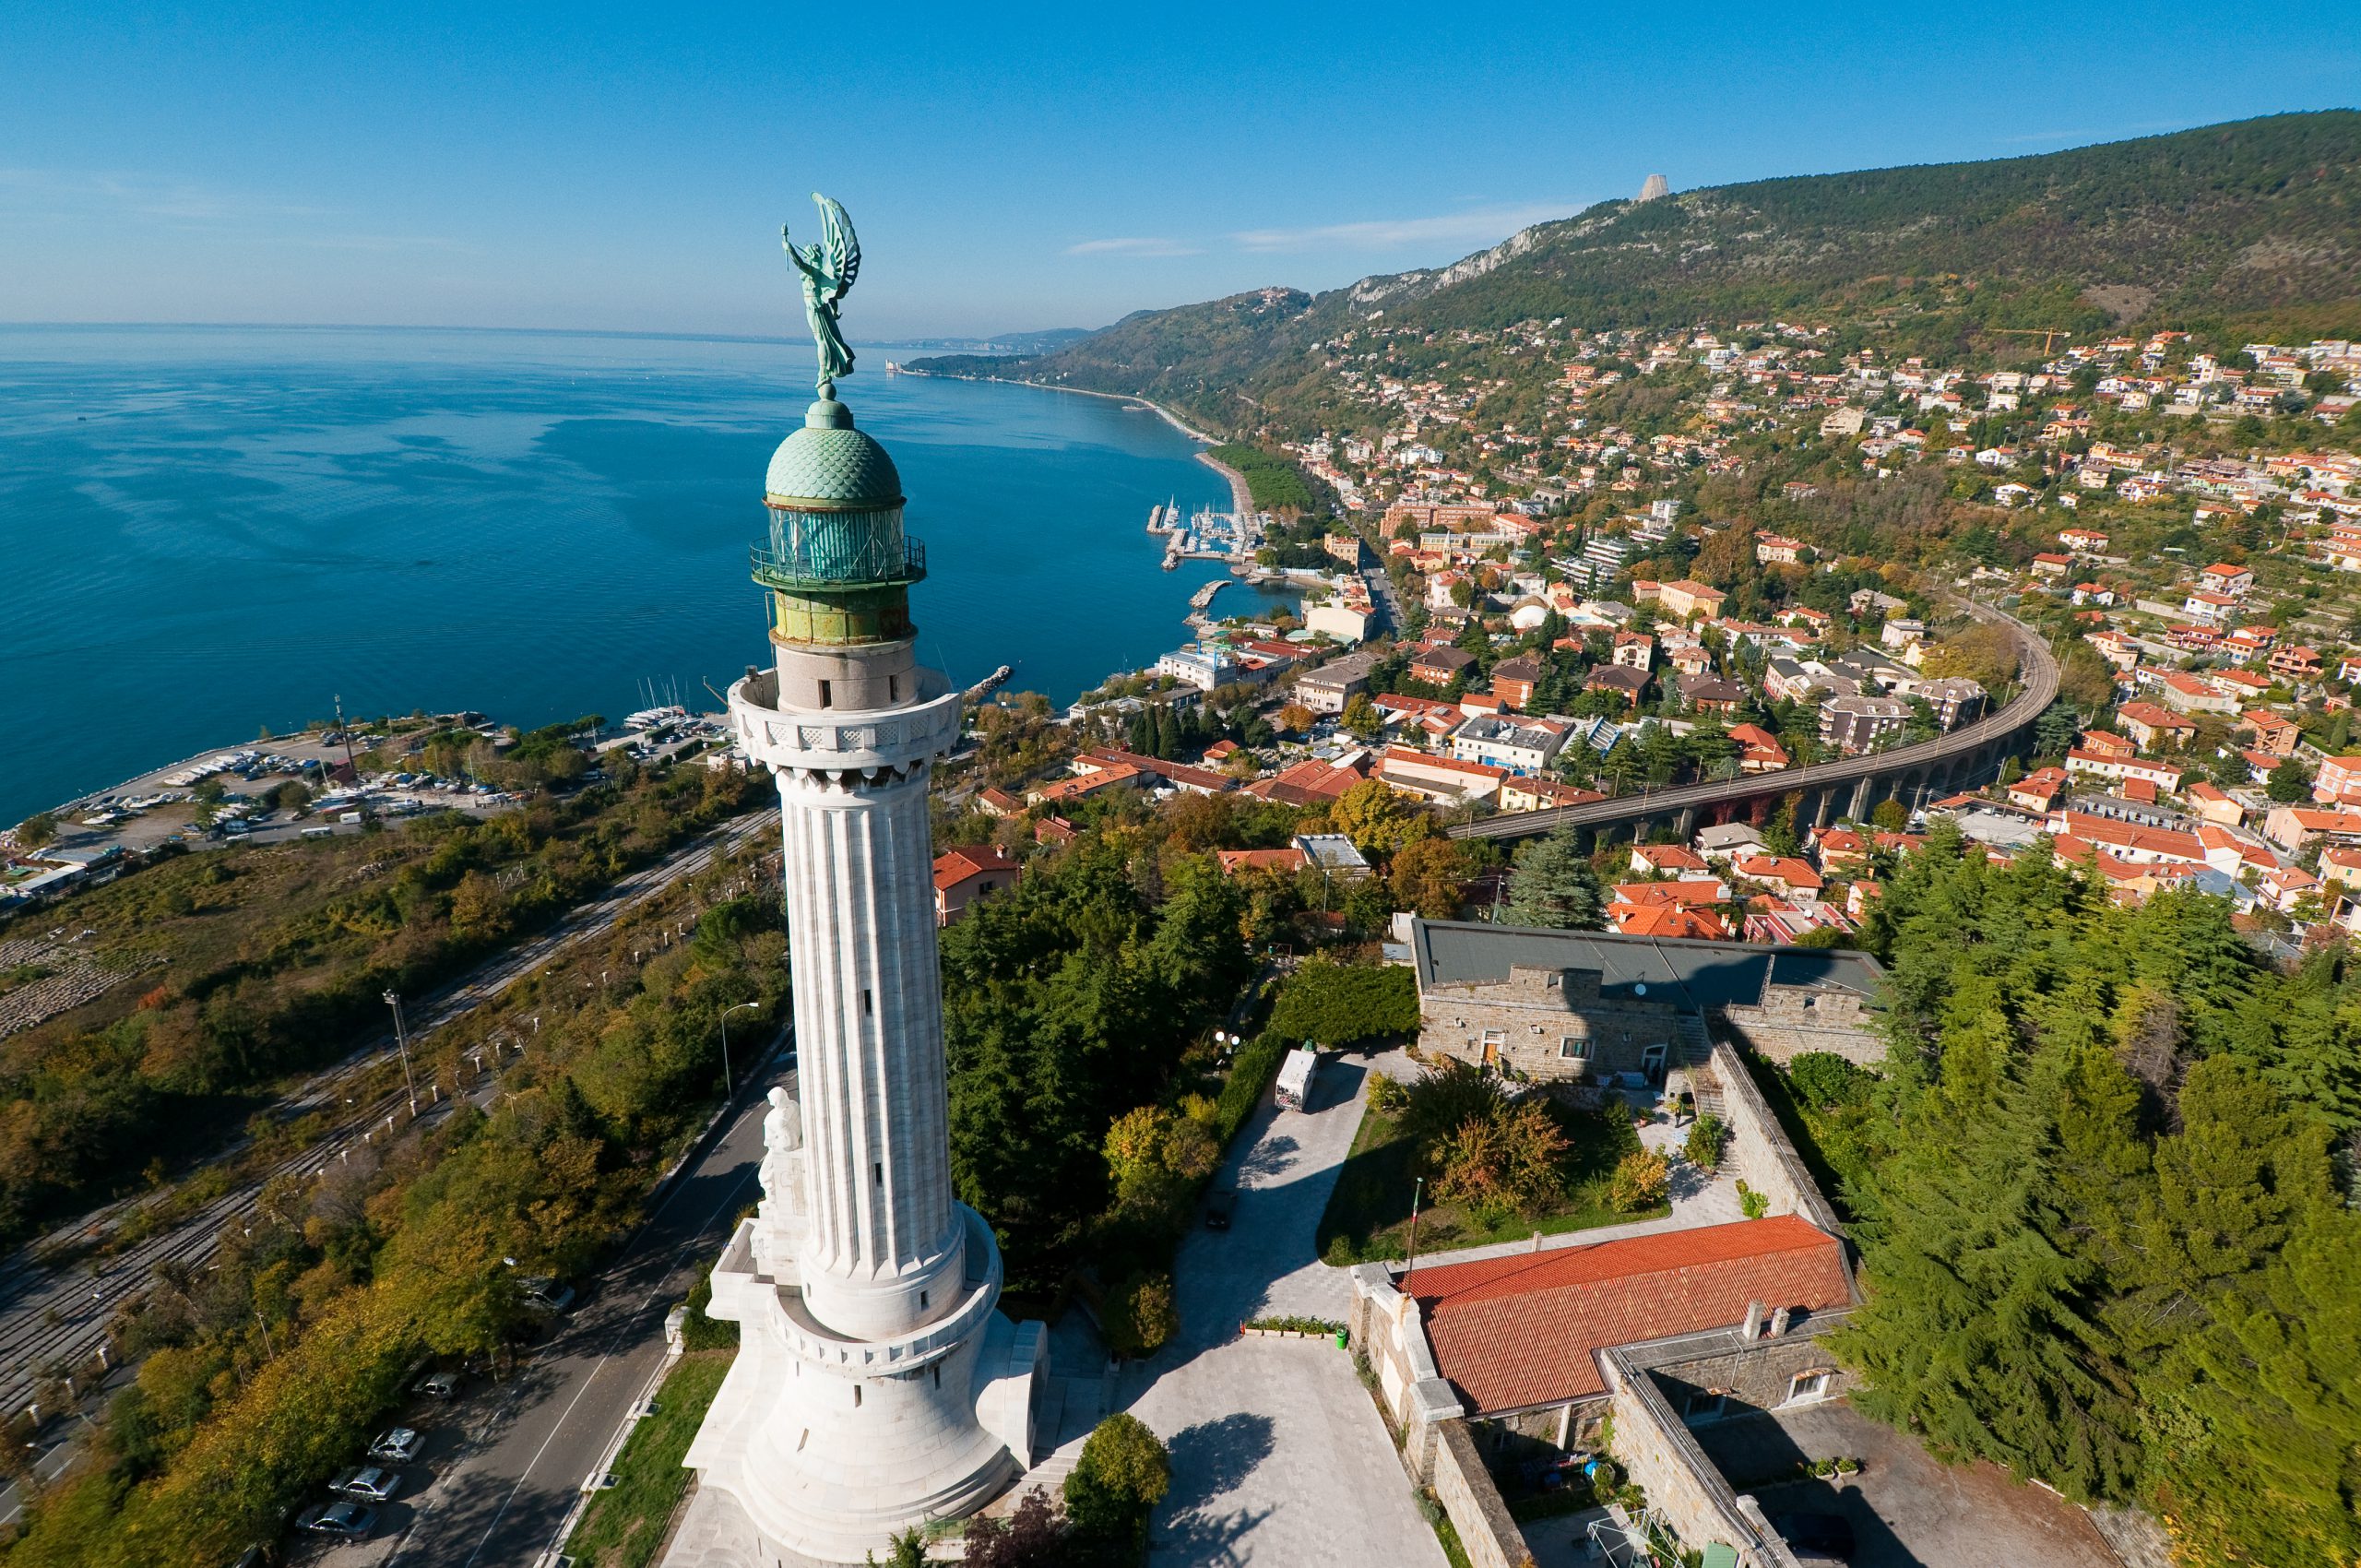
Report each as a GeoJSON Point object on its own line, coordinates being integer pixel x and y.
{"type": "Point", "coordinates": [402, 1040]}
{"type": "Point", "coordinates": [1416, 1187]}
{"type": "Point", "coordinates": [729, 1080]}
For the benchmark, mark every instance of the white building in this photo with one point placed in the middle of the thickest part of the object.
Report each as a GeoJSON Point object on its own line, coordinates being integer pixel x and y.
{"type": "Point", "coordinates": [1201, 668]}
{"type": "Point", "coordinates": [1521, 745]}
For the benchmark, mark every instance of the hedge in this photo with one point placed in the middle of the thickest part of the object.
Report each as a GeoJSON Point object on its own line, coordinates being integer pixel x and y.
{"type": "Point", "coordinates": [1338, 1006]}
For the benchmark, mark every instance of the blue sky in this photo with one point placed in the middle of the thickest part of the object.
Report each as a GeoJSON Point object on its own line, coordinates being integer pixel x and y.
{"type": "Point", "coordinates": [1009, 167]}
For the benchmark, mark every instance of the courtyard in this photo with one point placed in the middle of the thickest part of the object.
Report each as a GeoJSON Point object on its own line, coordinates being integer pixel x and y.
{"type": "Point", "coordinates": [1907, 1509]}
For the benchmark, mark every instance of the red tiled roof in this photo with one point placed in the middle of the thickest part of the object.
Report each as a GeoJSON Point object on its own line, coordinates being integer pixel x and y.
{"type": "Point", "coordinates": [1310, 782]}
{"type": "Point", "coordinates": [1513, 1332]}
{"type": "Point", "coordinates": [956, 866]}
{"type": "Point", "coordinates": [1667, 921]}
{"type": "Point", "coordinates": [1235, 860]}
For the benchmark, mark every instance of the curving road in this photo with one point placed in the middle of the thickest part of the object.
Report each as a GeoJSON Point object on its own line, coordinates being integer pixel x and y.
{"type": "Point", "coordinates": [1943, 756]}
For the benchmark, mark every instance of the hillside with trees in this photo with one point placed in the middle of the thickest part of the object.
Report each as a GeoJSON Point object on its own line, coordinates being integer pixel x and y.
{"type": "Point", "coordinates": [2101, 1192]}
{"type": "Point", "coordinates": [2247, 226]}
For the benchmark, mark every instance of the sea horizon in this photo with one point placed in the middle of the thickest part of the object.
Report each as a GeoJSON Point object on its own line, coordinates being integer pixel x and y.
{"type": "Point", "coordinates": [219, 528]}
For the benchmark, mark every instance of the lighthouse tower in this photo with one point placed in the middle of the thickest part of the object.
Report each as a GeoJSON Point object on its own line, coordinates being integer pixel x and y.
{"type": "Point", "coordinates": [877, 1385]}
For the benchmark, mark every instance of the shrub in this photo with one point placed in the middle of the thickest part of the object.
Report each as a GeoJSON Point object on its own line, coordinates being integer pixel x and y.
{"type": "Point", "coordinates": [1707, 1136]}
{"type": "Point", "coordinates": [906, 1549]}
{"type": "Point", "coordinates": [1387, 1095]}
{"type": "Point", "coordinates": [1030, 1537]}
{"type": "Point", "coordinates": [1443, 1100]}
{"type": "Point", "coordinates": [1252, 1074]}
{"type": "Point", "coordinates": [1123, 1472]}
{"type": "Point", "coordinates": [1156, 1158]}
{"type": "Point", "coordinates": [1641, 1182]}
{"type": "Point", "coordinates": [1823, 1080]}
{"type": "Point", "coordinates": [1297, 1324]}
{"type": "Point", "coordinates": [1751, 1204]}
{"type": "Point", "coordinates": [699, 1332]}
{"type": "Point", "coordinates": [1140, 1315]}
{"type": "Point", "coordinates": [1505, 1161]}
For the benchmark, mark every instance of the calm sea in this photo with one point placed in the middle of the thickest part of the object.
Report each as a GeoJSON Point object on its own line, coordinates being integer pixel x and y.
{"type": "Point", "coordinates": [206, 530]}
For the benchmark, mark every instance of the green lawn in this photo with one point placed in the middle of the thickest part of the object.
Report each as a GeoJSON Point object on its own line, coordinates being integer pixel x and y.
{"type": "Point", "coordinates": [622, 1528]}
{"type": "Point", "coordinates": [1369, 1213]}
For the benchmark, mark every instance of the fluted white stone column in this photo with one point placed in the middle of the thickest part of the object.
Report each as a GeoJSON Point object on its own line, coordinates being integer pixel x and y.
{"type": "Point", "coordinates": [883, 1249]}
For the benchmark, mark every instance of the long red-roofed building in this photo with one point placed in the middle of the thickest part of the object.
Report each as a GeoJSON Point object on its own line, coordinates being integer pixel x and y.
{"type": "Point", "coordinates": [1523, 1332]}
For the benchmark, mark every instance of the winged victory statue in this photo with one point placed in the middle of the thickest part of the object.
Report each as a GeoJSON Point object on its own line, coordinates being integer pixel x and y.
{"type": "Point", "coordinates": [828, 271]}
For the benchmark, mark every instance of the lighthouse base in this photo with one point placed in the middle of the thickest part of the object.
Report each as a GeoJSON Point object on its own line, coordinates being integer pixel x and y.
{"type": "Point", "coordinates": [827, 1446]}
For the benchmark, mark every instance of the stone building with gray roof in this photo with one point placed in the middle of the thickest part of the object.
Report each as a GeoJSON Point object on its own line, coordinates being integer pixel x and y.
{"type": "Point", "coordinates": [1576, 1007]}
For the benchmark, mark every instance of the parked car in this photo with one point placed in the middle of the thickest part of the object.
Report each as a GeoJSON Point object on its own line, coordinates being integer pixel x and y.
{"type": "Point", "coordinates": [546, 1295]}
{"type": "Point", "coordinates": [1827, 1538]}
{"type": "Point", "coordinates": [440, 1386]}
{"type": "Point", "coordinates": [400, 1446]}
{"type": "Point", "coordinates": [376, 1484]}
{"type": "Point", "coordinates": [1220, 1203]}
{"type": "Point", "coordinates": [344, 1521]}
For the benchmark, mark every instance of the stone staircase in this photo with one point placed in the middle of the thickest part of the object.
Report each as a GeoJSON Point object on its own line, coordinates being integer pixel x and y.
{"type": "Point", "coordinates": [1070, 1408]}
{"type": "Point", "coordinates": [1696, 1040]}
{"type": "Point", "coordinates": [1697, 1055]}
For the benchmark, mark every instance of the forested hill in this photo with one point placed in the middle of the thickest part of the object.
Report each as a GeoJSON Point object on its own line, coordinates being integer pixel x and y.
{"type": "Point", "coordinates": [2255, 224]}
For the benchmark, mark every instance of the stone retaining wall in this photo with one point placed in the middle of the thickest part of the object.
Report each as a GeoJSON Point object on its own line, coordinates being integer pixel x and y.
{"type": "Point", "coordinates": [1763, 1157]}
{"type": "Point", "coordinates": [1682, 1485]}
{"type": "Point", "coordinates": [1465, 1489]}
{"type": "Point", "coordinates": [1387, 1328]}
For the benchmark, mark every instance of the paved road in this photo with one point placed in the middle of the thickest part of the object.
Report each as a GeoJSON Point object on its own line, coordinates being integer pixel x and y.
{"type": "Point", "coordinates": [497, 1491]}
{"type": "Point", "coordinates": [1381, 587]}
{"type": "Point", "coordinates": [1279, 1456]}
{"type": "Point", "coordinates": [58, 1312]}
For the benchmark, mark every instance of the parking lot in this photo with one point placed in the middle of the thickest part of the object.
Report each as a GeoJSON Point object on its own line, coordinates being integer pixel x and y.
{"type": "Point", "coordinates": [1907, 1510]}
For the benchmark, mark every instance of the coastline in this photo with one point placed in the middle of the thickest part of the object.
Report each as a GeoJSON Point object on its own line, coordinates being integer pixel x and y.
{"type": "Point", "coordinates": [1175, 420]}
{"type": "Point", "coordinates": [1241, 495]}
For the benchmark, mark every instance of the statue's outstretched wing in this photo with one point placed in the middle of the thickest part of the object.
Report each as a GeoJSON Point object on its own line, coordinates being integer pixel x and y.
{"type": "Point", "coordinates": [843, 247]}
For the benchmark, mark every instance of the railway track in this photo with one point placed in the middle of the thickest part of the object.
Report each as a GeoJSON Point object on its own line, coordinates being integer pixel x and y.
{"type": "Point", "coordinates": [55, 1307]}
{"type": "Point", "coordinates": [1924, 760]}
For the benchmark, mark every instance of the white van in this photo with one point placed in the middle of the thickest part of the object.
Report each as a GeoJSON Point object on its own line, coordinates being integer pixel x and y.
{"type": "Point", "coordinates": [1294, 1090]}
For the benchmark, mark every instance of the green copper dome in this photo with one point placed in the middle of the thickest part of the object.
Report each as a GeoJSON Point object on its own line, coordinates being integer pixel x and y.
{"type": "Point", "coordinates": [829, 466]}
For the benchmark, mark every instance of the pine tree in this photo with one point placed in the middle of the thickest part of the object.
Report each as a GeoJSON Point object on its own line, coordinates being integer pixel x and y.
{"type": "Point", "coordinates": [2261, 1410]}
{"type": "Point", "coordinates": [1982, 1324]}
{"type": "Point", "coordinates": [1553, 885]}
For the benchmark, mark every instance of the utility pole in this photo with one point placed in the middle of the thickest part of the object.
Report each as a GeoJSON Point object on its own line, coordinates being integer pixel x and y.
{"type": "Point", "coordinates": [730, 1079]}
{"type": "Point", "coordinates": [401, 1040]}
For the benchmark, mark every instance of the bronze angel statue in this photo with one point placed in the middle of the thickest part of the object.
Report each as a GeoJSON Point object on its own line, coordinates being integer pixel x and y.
{"type": "Point", "coordinates": [828, 269]}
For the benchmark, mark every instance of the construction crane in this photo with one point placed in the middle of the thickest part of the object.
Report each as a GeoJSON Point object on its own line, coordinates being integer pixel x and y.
{"type": "Point", "coordinates": [2046, 334]}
